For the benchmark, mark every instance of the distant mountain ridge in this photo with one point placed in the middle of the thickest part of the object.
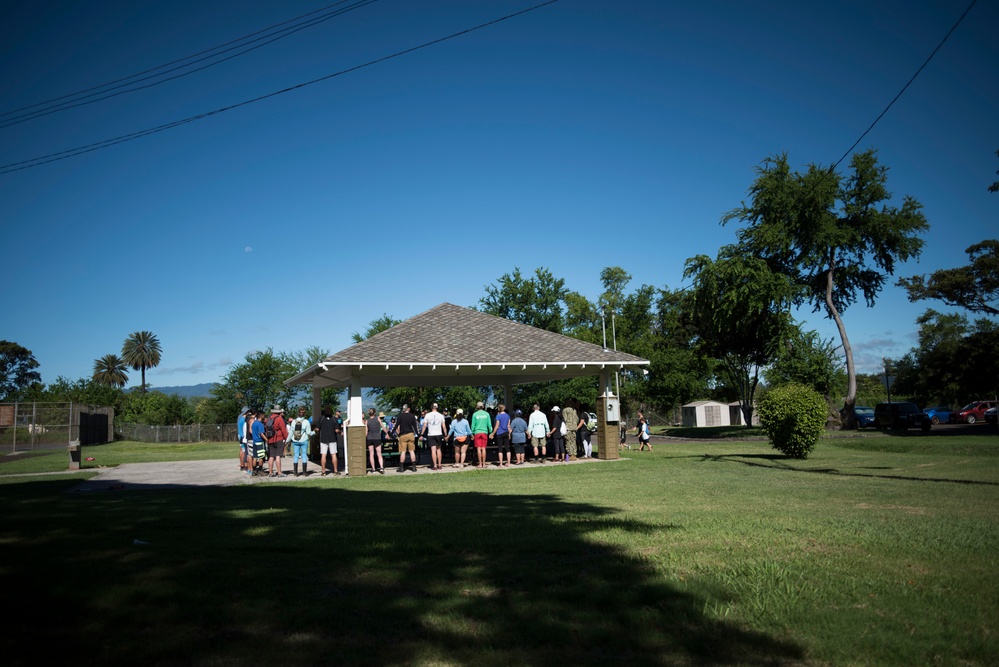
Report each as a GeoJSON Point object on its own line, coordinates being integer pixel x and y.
{"type": "Point", "coordinates": [203, 390]}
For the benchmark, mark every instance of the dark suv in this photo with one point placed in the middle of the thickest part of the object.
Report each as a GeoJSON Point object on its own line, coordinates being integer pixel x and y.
{"type": "Point", "coordinates": [900, 416]}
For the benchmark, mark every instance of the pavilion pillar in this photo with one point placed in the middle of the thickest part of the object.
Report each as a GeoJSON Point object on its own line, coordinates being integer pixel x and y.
{"type": "Point", "coordinates": [608, 419]}
{"type": "Point", "coordinates": [354, 454]}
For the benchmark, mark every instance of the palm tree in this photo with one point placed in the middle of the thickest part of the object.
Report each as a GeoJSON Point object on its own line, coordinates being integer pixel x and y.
{"type": "Point", "coordinates": [141, 350]}
{"type": "Point", "coordinates": [109, 370]}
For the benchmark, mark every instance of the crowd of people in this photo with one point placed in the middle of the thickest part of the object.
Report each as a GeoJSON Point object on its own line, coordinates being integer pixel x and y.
{"type": "Point", "coordinates": [266, 439]}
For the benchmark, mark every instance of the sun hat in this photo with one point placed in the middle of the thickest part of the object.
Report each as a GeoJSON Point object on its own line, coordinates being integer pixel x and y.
{"type": "Point", "coordinates": [246, 408]}
{"type": "Point", "coordinates": [458, 411]}
{"type": "Point", "coordinates": [555, 409]}
{"type": "Point", "coordinates": [277, 408]}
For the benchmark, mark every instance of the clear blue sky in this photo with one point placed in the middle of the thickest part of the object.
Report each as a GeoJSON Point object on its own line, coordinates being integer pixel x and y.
{"type": "Point", "coordinates": [582, 135]}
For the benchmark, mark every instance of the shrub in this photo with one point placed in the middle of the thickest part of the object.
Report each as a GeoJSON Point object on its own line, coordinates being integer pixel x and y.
{"type": "Point", "coordinates": [793, 416]}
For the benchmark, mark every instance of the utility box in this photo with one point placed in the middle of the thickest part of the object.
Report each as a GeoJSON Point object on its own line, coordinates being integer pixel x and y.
{"type": "Point", "coordinates": [613, 410]}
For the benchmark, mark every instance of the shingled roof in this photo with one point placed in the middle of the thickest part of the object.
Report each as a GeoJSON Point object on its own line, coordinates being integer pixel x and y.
{"type": "Point", "coordinates": [451, 345]}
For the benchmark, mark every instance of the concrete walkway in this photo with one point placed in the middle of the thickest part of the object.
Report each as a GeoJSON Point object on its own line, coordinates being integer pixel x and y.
{"type": "Point", "coordinates": [225, 472]}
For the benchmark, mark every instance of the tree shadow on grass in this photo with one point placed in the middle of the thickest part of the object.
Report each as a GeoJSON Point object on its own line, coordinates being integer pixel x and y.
{"type": "Point", "coordinates": [779, 462]}
{"type": "Point", "coordinates": [306, 575]}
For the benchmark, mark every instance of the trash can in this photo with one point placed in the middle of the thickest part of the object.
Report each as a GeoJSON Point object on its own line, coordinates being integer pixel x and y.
{"type": "Point", "coordinates": [74, 455]}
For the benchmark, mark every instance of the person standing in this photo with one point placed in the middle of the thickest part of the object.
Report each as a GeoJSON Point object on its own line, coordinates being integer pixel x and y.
{"type": "Point", "coordinates": [433, 433]}
{"type": "Point", "coordinates": [277, 433]}
{"type": "Point", "coordinates": [373, 438]}
{"type": "Point", "coordinates": [299, 432]}
{"type": "Point", "coordinates": [482, 426]}
{"type": "Point", "coordinates": [644, 436]}
{"type": "Point", "coordinates": [557, 438]}
{"type": "Point", "coordinates": [518, 436]}
{"type": "Point", "coordinates": [501, 435]}
{"type": "Point", "coordinates": [571, 420]}
{"type": "Point", "coordinates": [258, 443]}
{"type": "Point", "coordinates": [461, 433]}
{"type": "Point", "coordinates": [329, 439]}
{"type": "Point", "coordinates": [406, 428]}
{"type": "Point", "coordinates": [538, 427]}
{"type": "Point", "coordinates": [241, 435]}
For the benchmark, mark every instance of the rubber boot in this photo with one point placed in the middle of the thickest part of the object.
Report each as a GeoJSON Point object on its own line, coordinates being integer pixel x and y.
{"type": "Point", "coordinates": [295, 465]}
{"type": "Point", "coordinates": [303, 468]}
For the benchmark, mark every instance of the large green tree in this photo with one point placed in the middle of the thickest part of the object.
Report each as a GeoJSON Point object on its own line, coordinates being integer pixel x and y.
{"type": "Point", "coordinates": [538, 301]}
{"type": "Point", "coordinates": [258, 381]}
{"type": "Point", "coordinates": [679, 372]}
{"type": "Point", "coordinates": [17, 369]}
{"type": "Point", "coordinates": [974, 287]}
{"type": "Point", "coordinates": [804, 358]}
{"type": "Point", "coordinates": [109, 370]}
{"type": "Point", "coordinates": [741, 313]}
{"type": "Point", "coordinates": [836, 236]}
{"type": "Point", "coordinates": [142, 350]}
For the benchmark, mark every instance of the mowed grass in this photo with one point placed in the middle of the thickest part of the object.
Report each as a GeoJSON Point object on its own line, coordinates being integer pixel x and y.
{"type": "Point", "coordinates": [874, 551]}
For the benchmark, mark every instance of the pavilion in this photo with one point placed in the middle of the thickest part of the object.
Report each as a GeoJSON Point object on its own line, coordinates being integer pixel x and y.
{"type": "Point", "coordinates": [450, 345]}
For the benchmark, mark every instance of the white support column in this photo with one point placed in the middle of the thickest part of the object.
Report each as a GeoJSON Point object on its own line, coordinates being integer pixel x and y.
{"type": "Point", "coordinates": [355, 411]}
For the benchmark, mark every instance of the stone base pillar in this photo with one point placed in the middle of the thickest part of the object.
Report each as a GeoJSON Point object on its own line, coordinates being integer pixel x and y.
{"type": "Point", "coordinates": [608, 433]}
{"type": "Point", "coordinates": [356, 452]}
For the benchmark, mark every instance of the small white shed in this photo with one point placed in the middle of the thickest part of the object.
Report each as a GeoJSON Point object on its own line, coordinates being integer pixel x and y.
{"type": "Point", "coordinates": [705, 413]}
{"type": "Point", "coordinates": [735, 414]}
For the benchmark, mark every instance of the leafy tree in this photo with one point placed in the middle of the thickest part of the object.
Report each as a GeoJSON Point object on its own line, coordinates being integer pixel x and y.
{"type": "Point", "coordinates": [141, 350]}
{"type": "Point", "coordinates": [84, 390]}
{"type": "Point", "coordinates": [834, 236]}
{"type": "Point", "coordinates": [793, 417]}
{"type": "Point", "coordinates": [156, 408]}
{"type": "Point", "coordinates": [740, 311]}
{"type": "Point", "coordinates": [109, 370]}
{"type": "Point", "coordinates": [974, 287]}
{"type": "Point", "coordinates": [804, 358]}
{"type": "Point", "coordinates": [17, 369]}
{"type": "Point", "coordinates": [995, 185]}
{"type": "Point", "coordinates": [536, 301]}
{"type": "Point", "coordinates": [376, 327]}
{"type": "Point", "coordinates": [258, 381]}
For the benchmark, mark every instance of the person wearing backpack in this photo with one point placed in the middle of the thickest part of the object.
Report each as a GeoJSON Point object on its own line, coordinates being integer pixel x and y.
{"type": "Point", "coordinates": [299, 432]}
{"type": "Point", "coordinates": [276, 432]}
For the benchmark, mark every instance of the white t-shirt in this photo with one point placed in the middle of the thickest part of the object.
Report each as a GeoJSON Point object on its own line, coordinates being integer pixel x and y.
{"type": "Point", "coordinates": [434, 423]}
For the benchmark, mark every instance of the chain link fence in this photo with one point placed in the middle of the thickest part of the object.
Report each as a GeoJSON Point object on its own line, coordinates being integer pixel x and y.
{"type": "Point", "coordinates": [179, 433]}
{"type": "Point", "coordinates": [32, 425]}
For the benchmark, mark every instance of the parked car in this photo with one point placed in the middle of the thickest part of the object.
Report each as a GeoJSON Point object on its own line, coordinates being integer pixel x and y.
{"type": "Point", "coordinates": [864, 415]}
{"type": "Point", "coordinates": [900, 415]}
{"type": "Point", "coordinates": [973, 412]}
{"type": "Point", "coordinates": [990, 416]}
{"type": "Point", "coordinates": [938, 414]}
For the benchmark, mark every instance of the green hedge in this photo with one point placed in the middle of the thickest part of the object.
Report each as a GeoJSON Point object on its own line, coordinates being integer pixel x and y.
{"type": "Point", "coordinates": [793, 416]}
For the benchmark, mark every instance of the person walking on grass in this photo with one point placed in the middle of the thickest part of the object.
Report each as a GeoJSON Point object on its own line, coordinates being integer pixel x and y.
{"type": "Point", "coordinates": [538, 427]}
{"type": "Point", "coordinates": [501, 435]}
{"type": "Point", "coordinates": [461, 432]}
{"type": "Point", "coordinates": [373, 438]}
{"type": "Point", "coordinates": [406, 427]}
{"type": "Point", "coordinates": [518, 436]}
{"type": "Point", "coordinates": [329, 438]}
{"type": "Point", "coordinates": [299, 432]}
{"type": "Point", "coordinates": [644, 436]}
{"type": "Point", "coordinates": [482, 426]}
{"type": "Point", "coordinates": [277, 433]}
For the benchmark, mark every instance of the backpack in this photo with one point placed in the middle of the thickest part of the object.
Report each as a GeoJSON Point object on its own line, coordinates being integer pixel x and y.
{"type": "Point", "coordinates": [297, 434]}
{"type": "Point", "coordinates": [270, 430]}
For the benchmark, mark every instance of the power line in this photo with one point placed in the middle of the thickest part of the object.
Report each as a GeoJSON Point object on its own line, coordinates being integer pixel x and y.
{"type": "Point", "coordinates": [104, 91]}
{"type": "Point", "coordinates": [80, 150]}
{"type": "Point", "coordinates": [895, 99]}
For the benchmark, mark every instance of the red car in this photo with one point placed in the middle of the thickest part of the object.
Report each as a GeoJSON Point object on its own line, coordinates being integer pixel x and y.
{"type": "Point", "coordinates": [972, 412]}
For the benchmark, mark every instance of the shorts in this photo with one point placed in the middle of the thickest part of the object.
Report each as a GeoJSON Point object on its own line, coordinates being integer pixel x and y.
{"type": "Point", "coordinates": [407, 443]}
{"type": "Point", "coordinates": [518, 447]}
{"type": "Point", "coordinates": [259, 450]}
{"type": "Point", "coordinates": [481, 440]}
{"type": "Point", "coordinates": [435, 440]}
{"type": "Point", "coordinates": [327, 447]}
{"type": "Point", "coordinates": [503, 442]}
{"type": "Point", "coordinates": [459, 442]}
{"type": "Point", "coordinates": [538, 442]}
{"type": "Point", "coordinates": [275, 449]}
{"type": "Point", "coordinates": [373, 443]}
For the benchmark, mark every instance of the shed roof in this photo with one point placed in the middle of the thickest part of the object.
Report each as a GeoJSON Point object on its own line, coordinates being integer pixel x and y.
{"type": "Point", "coordinates": [451, 345]}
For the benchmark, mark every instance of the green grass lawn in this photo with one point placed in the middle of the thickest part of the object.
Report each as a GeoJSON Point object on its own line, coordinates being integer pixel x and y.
{"type": "Point", "coordinates": [874, 551]}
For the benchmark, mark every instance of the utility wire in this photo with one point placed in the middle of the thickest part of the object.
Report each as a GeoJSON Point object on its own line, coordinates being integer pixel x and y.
{"type": "Point", "coordinates": [890, 104]}
{"type": "Point", "coordinates": [104, 91]}
{"type": "Point", "coordinates": [80, 150]}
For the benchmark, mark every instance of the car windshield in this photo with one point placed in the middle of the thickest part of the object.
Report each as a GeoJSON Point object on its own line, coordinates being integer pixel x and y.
{"type": "Point", "coordinates": [970, 406]}
{"type": "Point", "coordinates": [863, 411]}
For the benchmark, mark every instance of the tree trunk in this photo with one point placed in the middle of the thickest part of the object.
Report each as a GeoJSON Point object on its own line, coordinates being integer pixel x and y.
{"type": "Point", "coordinates": [850, 419]}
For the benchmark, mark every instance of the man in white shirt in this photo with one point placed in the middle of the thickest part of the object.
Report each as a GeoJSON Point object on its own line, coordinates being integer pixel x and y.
{"type": "Point", "coordinates": [433, 433]}
{"type": "Point", "coordinates": [538, 427]}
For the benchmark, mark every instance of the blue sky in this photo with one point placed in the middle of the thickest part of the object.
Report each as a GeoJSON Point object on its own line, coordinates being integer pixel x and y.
{"type": "Point", "coordinates": [581, 135]}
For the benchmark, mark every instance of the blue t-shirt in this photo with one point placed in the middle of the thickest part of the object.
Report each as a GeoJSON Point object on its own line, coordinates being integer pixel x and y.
{"type": "Point", "coordinates": [502, 423]}
{"type": "Point", "coordinates": [258, 431]}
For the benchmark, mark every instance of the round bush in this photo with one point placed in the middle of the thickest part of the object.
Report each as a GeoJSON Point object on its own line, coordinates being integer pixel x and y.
{"type": "Point", "coordinates": [793, 416]}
